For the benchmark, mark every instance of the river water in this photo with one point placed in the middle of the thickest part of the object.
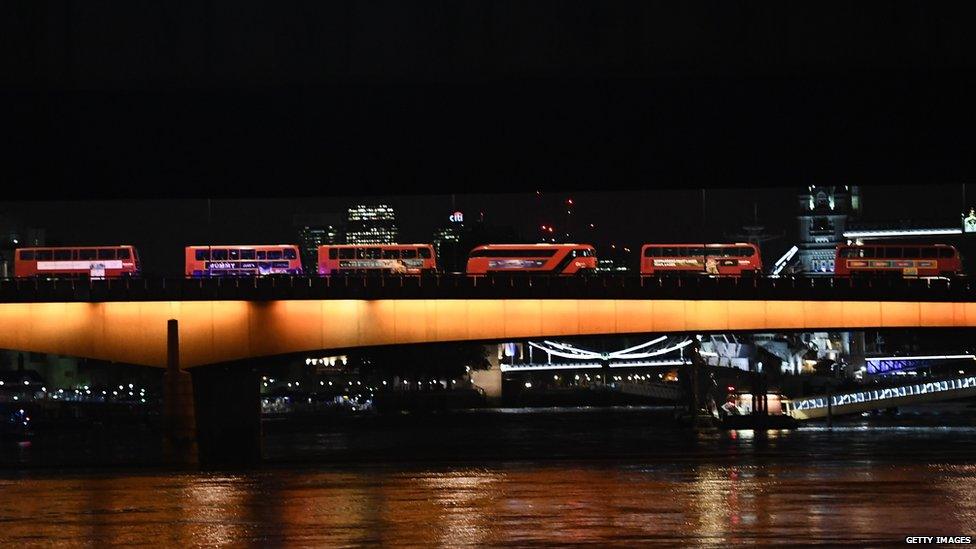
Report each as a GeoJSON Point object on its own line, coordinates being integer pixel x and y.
{"type": "Point", "coordinates": [517, 477]}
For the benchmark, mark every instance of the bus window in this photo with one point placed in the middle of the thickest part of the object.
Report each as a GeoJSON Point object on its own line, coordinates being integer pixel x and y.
{"type": "Point", "coordinates": [668, 252]}
{"type": "Point", "coordinates": [27, 255]}
{"type": "Point", "coordinates": [409, 253]}
{"type": "Point", "coordinates": [333, 253]}
{"type": "Point", "coordinates": [290, 253]}
{"type": "Point", "coordinates": [124, 253]}
{"type": "Point", "coordinates": [44, 255]}
{"type": "Point", "coordinates": [106, 253]}
{"type": "Point", "coordinates": [262, 254]}
{"type": "Point", "coordinates": [746, 252]}
{"type": "Point", "coordinates": [365, 253]}
{"type": "Point", "coordinates": [892, 253]}
{"type": "Point", "coordinates": [424, 252]}
{"type": "Point", "coordinates": [233, 254]}
{"type": "Point", "coordinates": [249, 254]}
{"type": "Point", "coordinates": [86, 254]}
{"type": "Point", "coordinates": [203, 255]}
{"type": "Point", "coordinates": [946, 252]}
{"type": "Point", "coordinates": [911, 253]}
{"type": "Point", "coordinates": [62, 255]}
{"type": "Point", "coordinates": [391, 253]}
{"type": "Point", "coordinates": [274, 254]}
{"type": "Point", "coordinates": [347, 253]}
{"type": "Point", "coordinates": [219, 255]}
{"type": "Point", "coordinates": [652, 251]}
{"type": "Point", "coordinates": [930, 253]}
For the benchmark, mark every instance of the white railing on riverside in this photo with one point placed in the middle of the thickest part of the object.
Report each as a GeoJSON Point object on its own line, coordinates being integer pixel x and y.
{"type": "Point", "coordinates": [940, 386]}
{"type": "Point", "coordinates": [589, 365]}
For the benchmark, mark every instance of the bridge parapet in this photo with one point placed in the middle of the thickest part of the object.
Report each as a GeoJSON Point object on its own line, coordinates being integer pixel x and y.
{"type": "Point", "coordinates": [486, 287]}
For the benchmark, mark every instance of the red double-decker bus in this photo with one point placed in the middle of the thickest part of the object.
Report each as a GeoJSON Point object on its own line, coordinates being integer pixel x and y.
{"type": "Point", "coordinates": [77, 262]}
{"type": "Point", "coordinates": [558, 259]}
{"type": "Point", "coordinates": [410, 259]}
{"type": "Point", "coordinates": [238, 260]}
{"type": "Point", "coordinates": [907, 260]}
{"type": "Point", "coordinates": [700, 259]}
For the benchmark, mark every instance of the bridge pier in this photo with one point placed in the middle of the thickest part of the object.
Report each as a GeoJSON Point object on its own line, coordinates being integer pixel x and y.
{"type": "Point", "coordinates": [179, 426]}
{"type": "Point", "coordinates": [228, 414]}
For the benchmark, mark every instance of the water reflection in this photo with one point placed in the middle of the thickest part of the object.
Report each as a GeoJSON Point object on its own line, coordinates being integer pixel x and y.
{"type": "Point", "coordinates": [596, 479]}
{"type": "Point", "coordinates": [213, 500]}
{"type": "Point", "coordinates": [567, 503]}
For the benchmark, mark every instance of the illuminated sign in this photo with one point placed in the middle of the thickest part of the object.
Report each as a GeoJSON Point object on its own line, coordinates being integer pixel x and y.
{"type": "Point", "coordinates": [676, 263]}
{"type": "Point", "coordinates": [75, 265]}
{"type": "Point", "coordinates": [457, 217]}
{"type": "Point", "coordinates": [396, 265]}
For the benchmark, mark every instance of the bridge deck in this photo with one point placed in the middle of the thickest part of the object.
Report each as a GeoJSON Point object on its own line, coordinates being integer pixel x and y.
{"type": "Point", "coordinates": [486, 287]}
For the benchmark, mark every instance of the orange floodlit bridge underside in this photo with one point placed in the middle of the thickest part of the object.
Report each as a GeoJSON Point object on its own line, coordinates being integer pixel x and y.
{"type": "Point", "coordinates": [213, 332]}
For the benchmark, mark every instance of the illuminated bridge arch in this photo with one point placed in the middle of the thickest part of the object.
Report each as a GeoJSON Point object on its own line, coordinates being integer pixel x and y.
{"type": "Point", "coordinates": [220, 331]}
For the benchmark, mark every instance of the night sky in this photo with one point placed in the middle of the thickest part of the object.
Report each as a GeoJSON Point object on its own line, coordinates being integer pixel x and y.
{"type": "Point", "coordinates": [274, 109]}
{"type": "Point", "coordinates": [247, 98]}
{"type": "Point", "coordinates": [161, 228]}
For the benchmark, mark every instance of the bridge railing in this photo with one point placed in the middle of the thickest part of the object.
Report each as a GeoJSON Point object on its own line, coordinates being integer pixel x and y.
{"type": "Point", "coordinates": [817, 405]}
{"type": "Point", "coordinates": [447, 286]}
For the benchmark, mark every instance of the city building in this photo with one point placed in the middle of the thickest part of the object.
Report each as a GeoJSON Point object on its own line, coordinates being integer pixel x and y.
{"type": "Point", "coordinates": [824, 213]}
{"type": "Point", "coordinates": [315, 230]}
{"type": "Point", "coordinates": [14, 235]}
{"type": "Point", "coordinates": [371, 224]}
{"type": "Point", "coordinates": [447, 239]}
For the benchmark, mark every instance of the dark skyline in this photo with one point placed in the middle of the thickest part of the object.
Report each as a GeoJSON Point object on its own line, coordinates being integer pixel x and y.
{"type": "Point", "coordinates": [160, 228]}
{"type": "Point", "coordinates": [160, 101]}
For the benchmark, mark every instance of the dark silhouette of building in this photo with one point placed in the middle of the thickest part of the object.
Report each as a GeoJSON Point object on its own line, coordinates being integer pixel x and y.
{"type": "Point", "coordinates": [315, 230]}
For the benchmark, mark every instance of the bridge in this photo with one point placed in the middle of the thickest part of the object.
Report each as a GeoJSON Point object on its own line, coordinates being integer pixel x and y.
{"type": "Point", "coordinates": [216, 328]}
{"type": "Point", "coordinates": [855, 402]}
{"type": "Point", "coordinates": [225, 320]}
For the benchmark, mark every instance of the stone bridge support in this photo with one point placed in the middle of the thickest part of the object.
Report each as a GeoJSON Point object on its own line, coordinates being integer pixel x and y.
{"type": "Point", "coordinates": [211, 414]}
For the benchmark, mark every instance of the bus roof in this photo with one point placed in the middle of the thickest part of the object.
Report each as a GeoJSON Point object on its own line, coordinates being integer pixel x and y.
{"type": "Point", "coordinates": [204, 246]}
{"type": "Point", "coordinates": [371, 245]}
{"type": "Point", "coordinates": [712, 245]}
{"type": "Point", "coordinates": [75, 247]}
{"type": "Point", "coordinates": [523, 246]}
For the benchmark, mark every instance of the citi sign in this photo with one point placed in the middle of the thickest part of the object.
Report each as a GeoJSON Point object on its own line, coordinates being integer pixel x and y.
{"type": "Point", "coordinates": [456, 217]}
